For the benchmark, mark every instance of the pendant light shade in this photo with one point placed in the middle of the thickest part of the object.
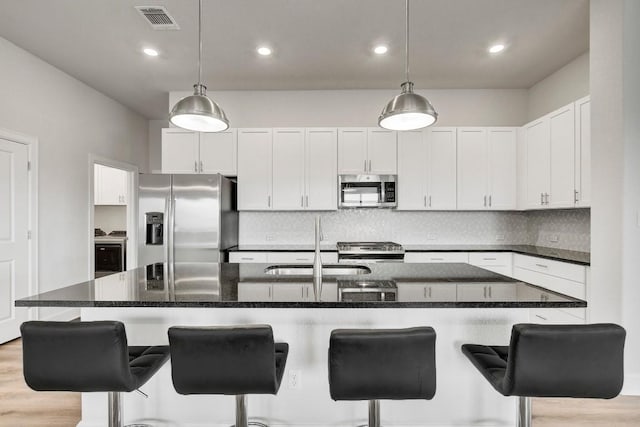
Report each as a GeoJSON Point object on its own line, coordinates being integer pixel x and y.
{"type": "Point", "coordinates": [408, 110]}
{"type": "Point", "coordinates": [197, 112]}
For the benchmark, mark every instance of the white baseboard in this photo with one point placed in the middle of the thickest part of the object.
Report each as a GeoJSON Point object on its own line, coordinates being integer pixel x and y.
{"type": "Point", "coordinates": [64, 315]}
{"type": "Point", "coordinates": [631, 385]}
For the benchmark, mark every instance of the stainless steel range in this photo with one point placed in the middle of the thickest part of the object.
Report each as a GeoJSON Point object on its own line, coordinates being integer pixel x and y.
{"type": "Point", "coordinates": [370, 251]}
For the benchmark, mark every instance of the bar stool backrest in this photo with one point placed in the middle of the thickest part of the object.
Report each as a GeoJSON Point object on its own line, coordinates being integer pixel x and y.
{"type": "Point", "coordinates": [582, 361]}
{"type": "Point", "coordinates": [370, 364]}
{"type": "Point", "coordinates": [76, 356]}
{"type": "Point", "coordinates": [223, 360]}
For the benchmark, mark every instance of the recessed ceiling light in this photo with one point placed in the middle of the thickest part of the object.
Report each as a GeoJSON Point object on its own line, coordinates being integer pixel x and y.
{"type": "Point", "coordinates": [264, 51]}
{"type": "Point", "coordinates": [150, 52]}
{"type": "Point", "coordinates": [380, 50]}
{"type": "Point", "coordinates": [496, 48]}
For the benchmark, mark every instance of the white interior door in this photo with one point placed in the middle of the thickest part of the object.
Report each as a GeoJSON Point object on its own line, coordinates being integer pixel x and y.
{"type": "Point", "coordinates": [14, 245]}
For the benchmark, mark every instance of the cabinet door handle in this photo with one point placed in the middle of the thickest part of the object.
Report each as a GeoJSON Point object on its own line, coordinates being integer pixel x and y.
{"type": "Point", "coordinates": [425, 291]}
{"type": "Point", "coordinates": [485, 291]}
{"type": "Point", "coordinates": [542, 266]}
{"type": "Point", "coordinates": [490, 296]}
{"type": "Point", "coordinates": [369, 165]}
{"type": "Point", "coordinates": [302, 292]}
{"type": "Point", "coordinates": [269, 201]}
{"type": "Point", "coordinates": [489, 200]}
{"type": "Point", "coordinates": [425, 201]}
{"type": "Point", "coordinates": [540, 317]}
{"type": "Point", "coordinates": [302, 259]}
{"type": "Point", "coordinates": [195, 166]}
{"type": "Point", "coordinates": [247, 258]}
{"type": "Point", "coordinates": [429, 291]}
{"type": "Point", "coordinates": [485, 201]}
{"type": "Point", "coordinates": [437, 259]}
{"type": "Point", "coordinates": [547, 197]}
{"type": "Point", "coordinates": [541, 198]}
{"type": "Point", "coordinates": [269, 291]}
{"type": "Point", "coordinates": [429, 201]}
{"type": "Point", "coordinates": [306, 198]}
{"type": "Point", "coordinates": [365, 165]}
{"type": "Point", "coordinates": [201, 168]}
{"type": "Point", "coordinates": [489, 259]}
{"type": "Point", "coordinates": [576, 199]}
{"type": "Point", "coordinates": [302, 201]}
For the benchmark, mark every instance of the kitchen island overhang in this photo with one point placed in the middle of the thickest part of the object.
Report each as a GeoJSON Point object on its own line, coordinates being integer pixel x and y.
{"type": "Point", "coordinates": [149, 300]}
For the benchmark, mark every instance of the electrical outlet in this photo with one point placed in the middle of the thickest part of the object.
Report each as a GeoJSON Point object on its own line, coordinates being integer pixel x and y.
{"type": "Point", "coordinates": [500, 238]}
{"type": "Point", "coordinates": [295, 379]}
{"type": "Point", "coordinates": [554, 238]}
{"type": "Point", "coordinates": [268, 237]}
{"type": "Point", "coordinates": [432, 236]}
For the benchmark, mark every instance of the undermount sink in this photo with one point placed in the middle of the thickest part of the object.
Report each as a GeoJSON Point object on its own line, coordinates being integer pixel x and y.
{"type": "Point", "coordinates": [327, 270]}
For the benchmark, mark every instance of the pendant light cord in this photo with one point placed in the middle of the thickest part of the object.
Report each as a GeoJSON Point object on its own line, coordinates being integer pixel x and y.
{"type": "Point", "coordinates": [199, 42]}
{"type": "Point", "coordinates": [406, 40]}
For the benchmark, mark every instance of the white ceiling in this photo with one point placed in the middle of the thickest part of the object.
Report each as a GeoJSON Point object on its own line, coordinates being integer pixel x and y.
{"type": "Point", "coordinates": [318, 44]}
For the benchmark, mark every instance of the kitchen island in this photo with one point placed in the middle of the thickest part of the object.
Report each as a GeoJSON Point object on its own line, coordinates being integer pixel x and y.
{"type": "Point", "coordinates": [462, 302]}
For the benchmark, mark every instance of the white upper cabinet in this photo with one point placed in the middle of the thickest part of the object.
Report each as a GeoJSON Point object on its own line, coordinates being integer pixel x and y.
{"type": "Point", "coordinates": [427, 169]}
{"type": "Point", "coordinates": [473, 153]}
{"type": "Point", "coordinates": [321, 169]}
{"type": "Point", "coordinates": [538, 153]}
{"type": "Point", "coordinates": [192, 152]}
{"type": "Point", "coordinates": [562, 148]}
{"type": "Point", "coordinates": [583, 152]}
{"type": "Point", "coordinates": [487, 168]}
{"type": "Point", "coordinates": [502, 168]}
{"type": "Point", "coordinates": [367, 151]}
{"type": "Point", "coordinates": [110, 186]}
{"type": "Point", "coordinates": [352, 151]}
{"type": "Point", "coordinates": [218, 152]}
{"type": "Point", "coordinates": [287, 169]}
{"type": "Point", "coordinates": [180, 151]}
{"type": "Point", "coordinates": [255, 149]}
{"type": "Point", "coordinates": [382, 151]}
{"type": "Point", "coordinates": [551, 160]}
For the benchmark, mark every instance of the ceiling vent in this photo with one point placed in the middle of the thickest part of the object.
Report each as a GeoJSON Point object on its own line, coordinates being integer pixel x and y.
{"type": "Point", "coordinates": [158, 17]}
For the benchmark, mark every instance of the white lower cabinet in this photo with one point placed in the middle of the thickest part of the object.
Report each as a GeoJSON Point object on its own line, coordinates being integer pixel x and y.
{"type": "Point", "coordinates": [280, 292]}
{"type": "Point", "coordinates": [498, 262]}
{"type": "Point", "coordinates": [292, 292]}
{"type": "Point", "coordinates": [250, 291]}
{"type": "Point", "coordinates": [436, 257]}
{"type": "Point", "coordinates": [434, 292]}
{"type": "Point", "coordinates": [282, 257]}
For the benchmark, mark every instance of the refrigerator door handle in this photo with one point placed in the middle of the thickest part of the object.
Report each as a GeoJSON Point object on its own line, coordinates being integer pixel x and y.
{"type": "Point", "coordinates": [165, 231]}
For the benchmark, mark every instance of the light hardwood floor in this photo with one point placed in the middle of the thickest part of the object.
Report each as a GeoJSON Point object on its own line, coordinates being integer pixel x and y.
{"type": "Point", "coordinates": [21, 406]}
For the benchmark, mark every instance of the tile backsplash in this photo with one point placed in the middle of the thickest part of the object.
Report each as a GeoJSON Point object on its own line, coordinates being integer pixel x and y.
{"type": "Point", "coordinates": [566, 229]}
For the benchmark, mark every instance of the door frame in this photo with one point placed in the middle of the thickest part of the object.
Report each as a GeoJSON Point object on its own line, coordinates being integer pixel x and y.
{"type": "Point", "coordinates": [32, 145]}
{"type": "Point", "coordinates": [132, 210]}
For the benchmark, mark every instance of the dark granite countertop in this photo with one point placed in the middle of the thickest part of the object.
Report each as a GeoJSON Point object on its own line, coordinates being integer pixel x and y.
{"type": "Point", "coordinates": [575, 257]}
{"type": "Point", "coordinates": [229, 285]}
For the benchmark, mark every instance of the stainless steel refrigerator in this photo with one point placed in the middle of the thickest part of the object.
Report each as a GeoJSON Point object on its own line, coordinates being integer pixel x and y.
{"type": "Point", "coordinates": [186, 218]}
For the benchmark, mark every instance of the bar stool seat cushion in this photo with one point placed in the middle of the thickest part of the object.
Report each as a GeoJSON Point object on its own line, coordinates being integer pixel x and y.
{"type": "Point", "coordinates": [581, 361]}
{"type": "Point", "coordinates": [86, 357]}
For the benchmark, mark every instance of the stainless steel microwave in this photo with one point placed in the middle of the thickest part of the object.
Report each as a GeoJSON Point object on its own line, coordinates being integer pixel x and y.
{"type": "Point", "coordinates": [367, 191]}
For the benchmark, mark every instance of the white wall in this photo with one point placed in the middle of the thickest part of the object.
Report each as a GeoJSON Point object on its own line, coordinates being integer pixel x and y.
{"type": "Point", "coordinates": [109, 218]}
{"type": "Point", "coordinates": [155, 144]}
{"type": "Point", "coordinates": [631, 192]}
{"type": "Point", "coordinates": [564, 86]}
{"type": "Point", "coordinates": [615, 100]}
{"type": "Point", "coordinates": [71, 121]}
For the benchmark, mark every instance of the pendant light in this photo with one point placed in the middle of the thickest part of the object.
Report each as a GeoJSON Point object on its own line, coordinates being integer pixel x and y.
{"type": "Point", "coordinates": [408, 110]}
{"type": "Point", "coordinates": [197, 112]}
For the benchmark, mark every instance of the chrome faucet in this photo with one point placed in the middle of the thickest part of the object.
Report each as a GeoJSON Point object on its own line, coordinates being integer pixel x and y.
{"type": "Point", "coordinates": [317, 262]}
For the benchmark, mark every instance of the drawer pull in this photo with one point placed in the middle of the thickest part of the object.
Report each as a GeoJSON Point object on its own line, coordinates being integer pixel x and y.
{"type": "Point", "coordinates": [247, 259]}
{"type": "Point", "coordinates": [542, 266]}
{"type": "Point", "coordinates": [437, 259]}
{"type": "Point", "coordinates": [489, 259]}
{"type": "Point", "coordinates": [540, 317]}
{"type": "Point", "coordinates": [302, 259]}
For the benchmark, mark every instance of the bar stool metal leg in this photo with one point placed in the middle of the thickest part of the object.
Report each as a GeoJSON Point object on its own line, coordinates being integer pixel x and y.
{"type": "Point", "coordinates": [115, 409]}
{"type": "Point", "coordinates": [374, 413]}
{"type": "Point", "coordinates": [242, 419]}
{"type": "Point", "coordinates": [524, 412]}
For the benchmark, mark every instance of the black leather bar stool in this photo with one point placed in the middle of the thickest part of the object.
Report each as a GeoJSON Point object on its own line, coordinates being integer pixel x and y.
{"type": "Point", "coordinates": [87, 357]}
{"type": "Point", "coordinates": [580, 361]}
{"type": "Point", "coordinates": [374, 364]}
{"type": "Point", "coordinates": [236, 360]}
